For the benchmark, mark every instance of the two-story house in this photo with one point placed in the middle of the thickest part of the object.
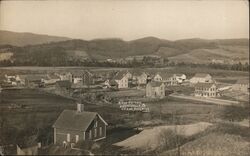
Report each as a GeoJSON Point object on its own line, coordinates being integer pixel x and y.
{"type": "Point", "coordinates": [73, 126]}
{"type": "Point", "coordinates": [241, 85]}
{"type": "Point", "coordinates": [65, 76]}
{"type": "Point", "coordinates": [155, 89]}
{"type": "Point", "coordinates": [168, 79]}
{"type": "Point", "coordinates": [201, 78]}
{"type": "Point", "coordinates": [140, 78]}
{"type": "Point", "coordinates": [205, 90]}
{"type": "Point", "coordinates": [121, 79]}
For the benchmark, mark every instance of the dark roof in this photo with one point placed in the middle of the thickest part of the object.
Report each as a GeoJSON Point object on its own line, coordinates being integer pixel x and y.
{"type": "Point", "coordinates": [138, 73]}
{"type": "Point", "coordinates": [204, 85]}
{"type": "Point", "coordinates": [155, 84]}
{"type": "Point", "coordinates": [71, 119]}
{"type": "Point", "coordinates": [243, 81]}
{"type": "Point", "coordinates": [88, 72]}
{"type": "Point", "coordinates": [64, 83]}
{"type": "Point", "coordinates": [119, 75]}
{"type": "Point", "coordinates": [77, 73]}
{"type": "Point", "coordinates": [36, 77]}
{"type": "Point", "coordinates": [113, 82]}
{"type": "Point", "coordinates": [164, 75]}
{"type": "Point", "coordinates": [201, 75]}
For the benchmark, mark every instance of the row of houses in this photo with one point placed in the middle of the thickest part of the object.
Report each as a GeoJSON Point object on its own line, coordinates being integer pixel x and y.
{"type": "Point", "coordinates": [124, 79]}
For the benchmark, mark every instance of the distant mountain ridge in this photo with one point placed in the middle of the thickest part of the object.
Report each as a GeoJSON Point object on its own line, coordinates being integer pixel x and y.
{"type": "Point", "coordinates": [24, 38]}
{"type": "Point", "coordinates": [193, 50]}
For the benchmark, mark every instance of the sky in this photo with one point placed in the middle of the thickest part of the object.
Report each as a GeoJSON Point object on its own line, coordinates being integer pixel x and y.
{"type": "Point", "coordinates": [127, 19]}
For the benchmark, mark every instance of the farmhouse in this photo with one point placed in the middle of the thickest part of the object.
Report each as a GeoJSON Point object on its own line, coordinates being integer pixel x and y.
{"type": "Point", "coordinates": [65, 76]}
{"type": "Point", "coordinates": [205, 90]}
{"type": "Point", "coordinates": [77, 77]}
{"type": "Point", "coordinates": [180, 78]}
{"type": "Point", "coordinates": [201, 78]}
{"type": "Point", "coordinates": [121, 79]}
{"type": "Point", "coordinates": [168, 79]}
{"type": "Point", "coordinates": [140, 78]}
{"type": "Point", "coordinates": [12, 79]}
{"type": "Point", "coordinates": [241, 85]}
{"type": "Point", "coordinates": [73, 126]}
{"type": "Point", "coordinates": [155, 89]}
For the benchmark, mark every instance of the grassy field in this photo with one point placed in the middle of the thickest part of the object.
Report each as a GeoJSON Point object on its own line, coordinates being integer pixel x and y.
{"type": "Point", "coordinates": [219, 139]}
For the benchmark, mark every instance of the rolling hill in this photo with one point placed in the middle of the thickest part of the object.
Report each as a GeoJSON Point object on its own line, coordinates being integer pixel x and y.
{"type": "Point", "coordinates": [65, 51]}
{"type": "Point", "coordinates": [23, 39]}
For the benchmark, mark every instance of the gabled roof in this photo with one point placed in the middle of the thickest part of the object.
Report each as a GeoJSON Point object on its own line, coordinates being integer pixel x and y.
{"type": "Point", "coordinates": [88, 72]}
{"type": "Point", "coordinates": [36, 77]}
{"type": "Point", "coordinates": [71, 119]}
{"type": "Point", "coordinates": [139, 73]}
{"type": "Point", "coordinates": [179, 75]}
{"type": "Point", "coordinates": [155, 84]}
{"type": "Point", "coordinates": [77, 73]}
{"type": "Point", "coordinates": [119, 76]}
{"type": "Point", "coordinates": [64, 83]}
{"type": "Point", "coordinates": [113, 82]}
{"type": "Point", "coordinates": [243, 81]}
{"type": "Point", "coordinates": [53, 76]}
{"type": "Point", "coordinates": [201, 75]}
{"type": "Point", "coordinates": [164, 75]}
{"type": "Point", "coordinates": [204, 85]}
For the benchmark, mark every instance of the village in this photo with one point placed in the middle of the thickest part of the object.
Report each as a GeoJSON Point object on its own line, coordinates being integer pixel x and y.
{"type": "Point", "coordinates": [104, 101]}
{"type": "Point", "coordinates": [124, 77]}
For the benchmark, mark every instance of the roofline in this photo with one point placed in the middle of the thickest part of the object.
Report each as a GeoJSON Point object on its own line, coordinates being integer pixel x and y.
{"type": "Point", "coordinates": [87, 125]}
{"type": "Point", "coordinates": [102, 119]}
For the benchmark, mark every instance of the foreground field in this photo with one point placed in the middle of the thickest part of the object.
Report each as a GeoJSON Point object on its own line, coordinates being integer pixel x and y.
{"type": "Point", "coordinates": [218, 140]}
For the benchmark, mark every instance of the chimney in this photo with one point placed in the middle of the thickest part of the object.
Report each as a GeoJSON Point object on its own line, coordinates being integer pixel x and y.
{"type": "Point", "coordinates": [80, 107]}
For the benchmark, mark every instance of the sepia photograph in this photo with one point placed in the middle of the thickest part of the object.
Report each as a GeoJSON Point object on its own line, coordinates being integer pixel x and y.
{"type": "Point", "coordinates": [124, 77]}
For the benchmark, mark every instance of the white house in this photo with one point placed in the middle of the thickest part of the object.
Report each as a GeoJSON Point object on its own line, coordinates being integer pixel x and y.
{"type": "Point", "coordinates": [66, 76]}
{"type": "Point", "coordinates": [201, 78]}
{"type": "Point", "coordinates": [241, 85]}
{"type": "Point", "coordinates": [155, 89]}
{"type": "Point", "coordinates": [77, 77]}
{"type": "Point", "coordinates": [205, 90]}
{"type": "Point", "coordinates": [12, 79]}
{"type": "Point", "coordinates": [168, 79]}
{"type": "Point", "coordinates": [180, 77]}
{"type": "Point", "coordinates": [121, 79]}
{"type": "Point", "coordinates": [140, 78]}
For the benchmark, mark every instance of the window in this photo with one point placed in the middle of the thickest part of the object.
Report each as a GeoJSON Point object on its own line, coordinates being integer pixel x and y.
{"type": "Point", "coordinates": [96, 123]}
{"type": "Point", "coordinates": [77, 138]}
{"type": "Point", "coordinates": [95, 132]}
{"type": "Point", "coordinates": [83, 135]}
{"type": "Point", "coordinates": [90, 134]}
{"type": "Point", "coordinates": [68, 137]}
{"type": "Point", "coordinates": [100, 131]}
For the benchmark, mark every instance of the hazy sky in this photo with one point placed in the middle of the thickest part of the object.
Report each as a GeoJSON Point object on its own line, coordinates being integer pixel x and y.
{"type": "Point", "coordinates": [128, 19]}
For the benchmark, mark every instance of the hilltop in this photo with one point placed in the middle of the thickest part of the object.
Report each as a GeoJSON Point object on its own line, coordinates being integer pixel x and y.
{"type": "Point", "coordinates": [61, 51]}
{"type": "Point", "coordinates": [23, 39]}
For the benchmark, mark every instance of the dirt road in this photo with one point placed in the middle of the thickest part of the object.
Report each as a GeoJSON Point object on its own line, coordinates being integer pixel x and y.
{"type": "Point", "coordinates": [208, 100]}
